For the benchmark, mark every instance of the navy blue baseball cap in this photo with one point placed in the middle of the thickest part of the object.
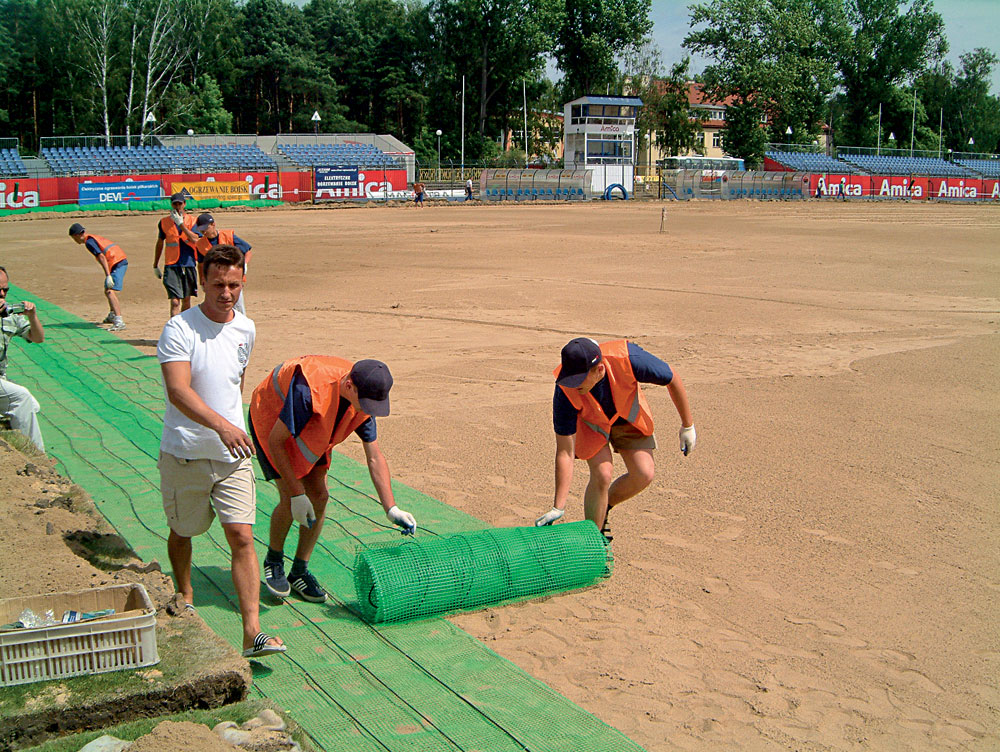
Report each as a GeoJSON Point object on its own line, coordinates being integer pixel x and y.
{"type": "Point", "coordinates": [578, 357]}
{"type": "Point", "coordinates": [373, 382]}
{"type": "Point", "coordinates": [76, 229]}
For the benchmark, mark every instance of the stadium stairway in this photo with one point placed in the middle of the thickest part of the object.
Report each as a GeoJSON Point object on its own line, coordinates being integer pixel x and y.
{"type": "Point", "coordinates": [423, 686]}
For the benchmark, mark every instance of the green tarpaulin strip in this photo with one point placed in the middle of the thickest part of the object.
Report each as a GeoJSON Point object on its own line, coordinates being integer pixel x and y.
{"type": "Point", "coordinates": [422, 686]}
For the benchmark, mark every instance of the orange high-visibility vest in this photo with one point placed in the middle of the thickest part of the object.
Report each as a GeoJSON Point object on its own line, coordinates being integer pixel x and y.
{"type": "Point", "coordinates": [593, 427]}
{"type": "Point", "coordinates": [323, 374]}
{"type": "Point", "coordinates": [112, 251]}
{"type": "Point", "coordinates": [172, 238]}
{"type": "Point", "coordinates": [204, 245]}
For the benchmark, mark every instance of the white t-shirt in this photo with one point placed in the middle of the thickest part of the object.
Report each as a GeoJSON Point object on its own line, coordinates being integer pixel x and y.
{"type": "Point", "coordinates": [218, 354]}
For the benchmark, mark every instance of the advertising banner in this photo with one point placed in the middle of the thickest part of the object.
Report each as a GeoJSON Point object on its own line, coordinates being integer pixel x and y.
{"type": "Point", "coordinates": [336, 178]}
{"type": "Point", "coordinates": [118, 192]}
{"type": "Point", "coordinates": [236, 190]}
{"type": "Point", "coordinates": [20, 193]}
{"type": "Point", "coordinates": [349, 182]}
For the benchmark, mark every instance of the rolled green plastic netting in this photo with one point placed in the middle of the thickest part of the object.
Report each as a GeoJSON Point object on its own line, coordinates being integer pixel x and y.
{"type": "Point", "coordinates": [426, 576]}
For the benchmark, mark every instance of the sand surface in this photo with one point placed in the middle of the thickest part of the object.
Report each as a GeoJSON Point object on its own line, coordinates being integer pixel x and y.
{"type": "Point", "coordinates": [820, 574]}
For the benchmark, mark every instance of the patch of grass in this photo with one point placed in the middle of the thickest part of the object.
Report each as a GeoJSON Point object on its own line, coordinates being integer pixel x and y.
{"type": "Point", "coordinates": [106, 551]}
{"type": "Point", "coordinates": [239, 713]}
{"type": "Point", "coordinates": [21, 443]}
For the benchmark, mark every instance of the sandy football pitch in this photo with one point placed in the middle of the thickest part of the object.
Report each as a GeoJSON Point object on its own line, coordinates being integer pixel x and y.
{"type": "Point", "coordinates": [821, 573]}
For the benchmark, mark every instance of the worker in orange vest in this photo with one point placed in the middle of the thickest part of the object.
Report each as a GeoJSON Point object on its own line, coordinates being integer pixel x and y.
{"type": "Point", "coordinates": [598, 404]}
{"type": "Point", "coordinates": [298, 413]}
{"type": "Point", "coordinates": [175, 242]}
{"type": "Point", "coordinates": [212, 236]}
{"type": "Point", "coordinates": [114, 263]}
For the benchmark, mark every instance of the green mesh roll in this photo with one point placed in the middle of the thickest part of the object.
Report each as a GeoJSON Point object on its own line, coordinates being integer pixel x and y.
{"type": "Point", "coordinates": [425, 576]}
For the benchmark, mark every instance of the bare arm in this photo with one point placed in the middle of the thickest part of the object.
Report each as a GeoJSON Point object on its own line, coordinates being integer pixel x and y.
{"type": "Point", "coordinates": [159, 250]}
{"type": "Point", "coordinates": [565, 451]}
{"type": "Point", "coordinates": [378, 468]}
{"type": "Point", "coordinates": [177, 380]}
{"type": "Point", "coordinates": [103, 262]}
{"type": "Point", "coordinates": [188, 233]}
{"type": "Point", "coordinates": [680, 398]}
{"type": "Point", "coordinates": [280, 459]}
{"type": "Point", "coordinates": [37, 332]}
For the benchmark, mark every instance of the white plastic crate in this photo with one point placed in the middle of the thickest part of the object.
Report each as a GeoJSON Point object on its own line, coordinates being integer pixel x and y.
{"type": "Point", "coordinates": [126, 639]}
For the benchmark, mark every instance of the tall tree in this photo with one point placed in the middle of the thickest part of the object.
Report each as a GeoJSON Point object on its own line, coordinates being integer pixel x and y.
{"type": "Point", "coordinates": [281, 83]}
{"type": "Point", "coordinates": [593, 33]}
{"type": "Point", "coordinates": [884, 44]}
{"type": "Point", "coordinates": [667, 106]}
{"type": "Point", "coordinates": [497, 44]}
{"type": "Point", "coordinates": [775, 59]}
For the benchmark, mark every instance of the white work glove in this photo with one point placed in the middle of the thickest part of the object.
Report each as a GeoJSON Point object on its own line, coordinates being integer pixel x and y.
{"type": "Point", "coordinates": [109, 282]}
{"type": "Point", "coordinates": [404, 519]}
{"type": "Point", "coordinates": [302, 510]}
{"type": "Point", "coordinates": [157, 272]}
{"type": "Point", "coordinates": [176, 218]}
{"type": "Point", "coordinates": [688, 439]}
{"type": "Point", "coordinates": [549, 517]}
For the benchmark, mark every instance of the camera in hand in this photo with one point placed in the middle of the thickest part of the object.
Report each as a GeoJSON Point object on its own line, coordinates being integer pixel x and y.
{"type": "Point", "coordinates": [12, 308]}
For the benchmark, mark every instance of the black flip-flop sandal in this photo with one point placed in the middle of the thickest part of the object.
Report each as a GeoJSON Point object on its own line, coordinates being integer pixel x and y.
{"type": "Point", "coordinates": [261, 648]}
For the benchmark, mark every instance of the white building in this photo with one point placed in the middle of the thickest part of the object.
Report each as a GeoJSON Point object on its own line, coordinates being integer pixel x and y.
{"type": "Point", "coordinates": [600, 136]}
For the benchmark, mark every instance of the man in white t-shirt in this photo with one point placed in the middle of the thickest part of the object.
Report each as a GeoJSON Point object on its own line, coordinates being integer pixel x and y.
{"type": "Point", "coordinates": [205, 466]}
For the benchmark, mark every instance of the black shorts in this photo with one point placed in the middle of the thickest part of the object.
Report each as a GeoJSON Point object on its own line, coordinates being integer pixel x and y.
{"type": "Point", "coordinates": [180, 281]}
{"type": "Point", "coordinates": [266, 468]}
{"type": "Point", "coordinates": [265, 464]}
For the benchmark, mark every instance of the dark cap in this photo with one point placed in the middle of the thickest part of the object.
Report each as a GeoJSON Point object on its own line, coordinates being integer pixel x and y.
{"type": "Point", "coordinates": [204, 220]}
{"type": "Point", "coordinates": [76, 229]}
{"type": "Point", "coordinates": [373, 382]}
{"type": "Point", "coordinates": [179, 198]}
{"type": "Point", "coordinates": [578, 357]}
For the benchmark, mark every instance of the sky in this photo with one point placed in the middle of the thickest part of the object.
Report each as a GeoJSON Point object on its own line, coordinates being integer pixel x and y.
{"type": "Point", "coordinates": [968, 24]}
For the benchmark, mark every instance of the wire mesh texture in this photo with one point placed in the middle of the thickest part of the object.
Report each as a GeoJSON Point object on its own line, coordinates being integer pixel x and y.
{"type": "Point", "coordinates": [423, 685]}
{"type": "Point", "coordinates": [465, 571]}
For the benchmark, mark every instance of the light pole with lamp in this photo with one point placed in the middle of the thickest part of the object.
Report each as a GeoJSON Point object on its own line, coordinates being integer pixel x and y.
{"type": "Point", "coordinates": [439, 154]}
{"type": "Point", "coordinates": [316, 118]}
{"type": "Point", "coordinates": [788, 133]}
{"type": "Point", "coordinates": [892, 140]}
{"type": "Point", "coordinates": [151, 119]}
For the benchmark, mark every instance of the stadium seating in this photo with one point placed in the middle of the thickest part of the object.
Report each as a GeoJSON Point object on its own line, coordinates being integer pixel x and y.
{"type": "Point", "coordinates": [334, 155]}
{"type": "Point", "coordinates": [988, 168]}
{"type": "Point", "coordinates": [116, 160]}
{"type": "Point", "coordinates": [11, 165]}
{"type": "Point", "coordinates": [892, 165]}
{"type": "Point", "coordinates": [811, 162]}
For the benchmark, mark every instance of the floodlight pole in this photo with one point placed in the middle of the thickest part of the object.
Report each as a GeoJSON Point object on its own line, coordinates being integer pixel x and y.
{"type": "Point", "coordinates": [878, 144]}
{"type": "Point", "coordinates": [463, 129]}
{"type": "Point", "coordinates": [439, 154]}
{"type": "Point", "coordinates": [913, 118]}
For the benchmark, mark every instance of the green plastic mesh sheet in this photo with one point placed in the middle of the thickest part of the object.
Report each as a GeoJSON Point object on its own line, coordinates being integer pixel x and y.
{"type": "Point", "coordinates": [417, 686]}
{"type": "Point", "coordinates": [471, 570]}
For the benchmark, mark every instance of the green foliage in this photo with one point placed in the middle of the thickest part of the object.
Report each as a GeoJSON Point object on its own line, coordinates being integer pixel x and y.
{"type": "Point", "coordinates": [593, 33]}
{"type": "Point", "coordinates": [775, 58]}
{"type": "Point", "coordinates": [667, 113]}
{"type": "Point", "coordinates": [197, 107]}
{"type": "Point", "coordinates": [499, 46]}
{"type": "Point", "coordinates": [883, 44]}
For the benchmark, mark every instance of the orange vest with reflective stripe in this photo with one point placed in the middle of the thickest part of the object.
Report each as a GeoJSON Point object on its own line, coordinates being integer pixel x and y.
{"type": "Point", "coordinates": [112, 251]}
{"type": "Point", "coordinates": [593, 427]}
{"type": "Point", "coordinates": [204, 245]}
{"type": "Point", "coordinates": [172, 238]}
{"type": "Point", "coordinates": [323, 374]}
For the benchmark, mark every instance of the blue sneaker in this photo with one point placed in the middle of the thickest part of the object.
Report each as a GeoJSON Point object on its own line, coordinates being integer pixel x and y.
{"type": "Point", "coordinates": [307, 587]}
{"type": "Point", "coordinates": [274, 578]}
